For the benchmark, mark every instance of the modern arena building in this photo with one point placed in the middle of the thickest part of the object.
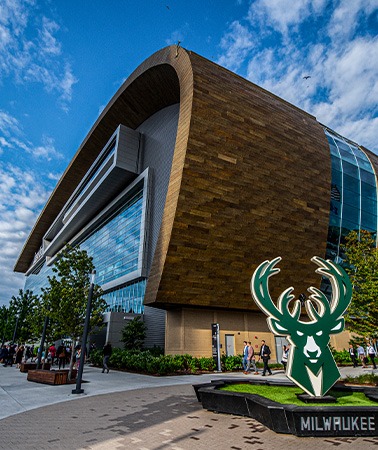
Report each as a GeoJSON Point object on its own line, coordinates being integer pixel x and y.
{"type": "Point", "coordinates": [189, 179]}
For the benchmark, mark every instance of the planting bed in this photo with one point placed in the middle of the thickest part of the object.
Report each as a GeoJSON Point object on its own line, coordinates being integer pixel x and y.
{"type": "Point", "coordinates": [317, 421]}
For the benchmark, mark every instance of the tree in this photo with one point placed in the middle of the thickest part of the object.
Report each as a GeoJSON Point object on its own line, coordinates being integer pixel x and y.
{"type": "Point", "coordinates": [19, 309]}
{"type": "Point", "coordinates": [134, 334]}
{"type": "Point", "coordinates": [362, 268]}
{"type": "Point", "coordinates": [5, 324]}
{"type": "Point", "coordinates": [67, 295]}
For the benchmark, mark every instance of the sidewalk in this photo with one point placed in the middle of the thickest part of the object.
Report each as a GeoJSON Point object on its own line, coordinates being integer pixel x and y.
{"type": "Point", "coordinates": [19, 395]}
{"type": "Point", "coordinates": [121, 410]}
{"type": "Point", "coordinates": [127, 411]}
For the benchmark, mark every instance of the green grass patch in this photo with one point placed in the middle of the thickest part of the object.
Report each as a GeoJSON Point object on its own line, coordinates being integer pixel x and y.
{"type": "Point", "coordinates": [287, 395]}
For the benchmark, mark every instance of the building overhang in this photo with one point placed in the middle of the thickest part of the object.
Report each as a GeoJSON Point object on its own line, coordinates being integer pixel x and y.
{"type": "Point", "coordinates": [153, 86]}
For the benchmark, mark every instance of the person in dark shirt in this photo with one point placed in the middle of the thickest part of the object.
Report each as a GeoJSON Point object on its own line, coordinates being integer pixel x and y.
{"type": "Point", "coordinates": [107, 351]}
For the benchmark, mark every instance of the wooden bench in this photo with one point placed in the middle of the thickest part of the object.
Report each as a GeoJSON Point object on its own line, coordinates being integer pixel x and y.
{"type": "Point", "coordinates": [25, 367]}
{"type": "Point", "coordinates": [51, 376]}
{"type": "Point", "coordinates": [48, 376]}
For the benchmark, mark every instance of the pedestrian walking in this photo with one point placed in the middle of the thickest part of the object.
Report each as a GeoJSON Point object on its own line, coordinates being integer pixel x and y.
{"type": "Point", "coordinates": [285, 355]}
{"type": "Point", "coordinates": [265, 356]}
{"type": "Point", "coordinates": [371, 353]}
{"type": "Point", "coordinates": [107, 351]}
{"type": "Point", "coordinates": [245, 357]}
{"type": "Point", "coordinates": [353, 355]}
{"type": "Point", "coordinates": [361, 355]}
{"type": "Point", "coordinates": [251, 359]}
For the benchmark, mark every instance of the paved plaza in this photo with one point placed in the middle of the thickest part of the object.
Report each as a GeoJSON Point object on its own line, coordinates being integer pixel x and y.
{"type": "Point", "coordinates": [121, 410]}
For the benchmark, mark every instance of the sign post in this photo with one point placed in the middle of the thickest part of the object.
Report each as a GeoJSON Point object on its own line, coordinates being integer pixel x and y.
{"type": "Point", "coordinates": [216, 346]}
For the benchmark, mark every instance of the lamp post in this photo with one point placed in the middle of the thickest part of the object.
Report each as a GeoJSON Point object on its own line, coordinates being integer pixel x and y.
{"type": "Point", "coordinates": [40, 350]}
{"type": "Point", "coordinates": [5, 324]}
{"type": "Point", "coordinates": [79, 377]}
{"type": "Point", "coordinates": [15, 329]}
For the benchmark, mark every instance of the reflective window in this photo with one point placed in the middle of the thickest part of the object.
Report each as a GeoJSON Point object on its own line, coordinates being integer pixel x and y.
{"type": "Point", "coordinates": [353, 204]}
{"type": "Point", "coordinates": [115, 245]}
{"type": "Point", "coordinates": [128, 299]}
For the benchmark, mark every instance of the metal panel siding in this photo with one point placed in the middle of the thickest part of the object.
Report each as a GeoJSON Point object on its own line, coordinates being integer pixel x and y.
{"type": "Point", "coordinates": [159, 136]}
{"type": "Point", "coordinates": [155, 321]}
{"type": "Point", "coordinates": [128, 142]}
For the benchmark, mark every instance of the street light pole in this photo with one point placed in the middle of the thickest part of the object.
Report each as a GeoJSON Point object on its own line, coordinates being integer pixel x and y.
{"type": "Point", "coordinates": [5, 328]}
{"type": "Point", "coordinates": [79, 377]}
{"type": "Point", "coordinates": [41, 347]}
{"type": "Point", "coordinates": [15, 329]}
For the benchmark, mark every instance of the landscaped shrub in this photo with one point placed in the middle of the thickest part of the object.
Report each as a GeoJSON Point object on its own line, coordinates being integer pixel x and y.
{"type": "Point", "coordinates": [341, 357]}
{"type": "Point", "coordinates": [151, 362]}
{"type": "Point", "coordinates": [207, 364]}
{"type": "Point", "coordinates": [366, 378]}
{"type": "Point", "coordinates": [231, 363]}
{"type": "Point", "coordinates": [96, 357]}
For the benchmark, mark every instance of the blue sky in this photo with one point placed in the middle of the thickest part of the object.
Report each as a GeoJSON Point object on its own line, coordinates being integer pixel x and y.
{"type": "Point", "coordinates": [62, 61]}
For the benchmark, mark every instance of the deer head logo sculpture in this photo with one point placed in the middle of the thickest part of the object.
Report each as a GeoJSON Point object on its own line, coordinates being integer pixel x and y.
{"type": "Point", "coordinates": [310, 364]}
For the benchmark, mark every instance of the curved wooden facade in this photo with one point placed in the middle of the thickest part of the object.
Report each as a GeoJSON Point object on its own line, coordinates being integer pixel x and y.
{"type": "Point", "coordinates": [250, 180]}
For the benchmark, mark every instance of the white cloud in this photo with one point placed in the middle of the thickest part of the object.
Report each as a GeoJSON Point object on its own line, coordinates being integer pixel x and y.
{"type": "Point", "coordinates": [236, 43]}
{"type": "Point", "coordinates": [21, 198]}
{"type": "Point", "coordinates": [336, 50]}
{"type": "Point", "coordinates": [178, 35]}
{"type": "Point", "coordinates": [30, 51]}
{"type": "Point", "coordinates": [346, 17]}
{"type": "Point", "coordinates": [54, 176]}
{"type": "Point", "coordinates": [9, 125]}
{"type": "Point", "coordinates": [46, 151]}
{"type": "Point", "coordinates": [12, 139]}
{"type": "Point", "coordinates": [281, 15]}
{"type": "Point", "coordinates": [49, 43]}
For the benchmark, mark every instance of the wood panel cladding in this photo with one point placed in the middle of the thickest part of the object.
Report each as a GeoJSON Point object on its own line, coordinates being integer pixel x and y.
{"type": "Point", "coordinates": [250, 180]}
{"type": "Point", "coordinates": [255, 184]}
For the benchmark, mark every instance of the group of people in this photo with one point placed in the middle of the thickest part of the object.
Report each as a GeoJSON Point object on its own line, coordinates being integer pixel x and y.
{"type": "Point", "coordinates": [249, 358]}
{"type": "Point", "coordinates": [363, 355]}
{"type": "Point", "coordinates": [15, 354]}
{"type": "Point", "coordinates": [62, 355]}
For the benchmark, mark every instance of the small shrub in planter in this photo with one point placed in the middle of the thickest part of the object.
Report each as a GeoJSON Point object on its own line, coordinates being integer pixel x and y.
{"type": "Point", "coordinates": [207, 364]}
{"type": "Point", "coordinates": [231, 363]}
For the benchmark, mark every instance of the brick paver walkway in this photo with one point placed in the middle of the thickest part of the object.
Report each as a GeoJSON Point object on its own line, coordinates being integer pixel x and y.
{"type": "Point", "coordinates": [150, 419]}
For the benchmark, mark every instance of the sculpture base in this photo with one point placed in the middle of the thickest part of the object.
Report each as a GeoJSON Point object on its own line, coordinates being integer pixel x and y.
{"type": "Point", "coordinates": [311, 399]}
{"type": "Point", "coordinates": [306, 420]}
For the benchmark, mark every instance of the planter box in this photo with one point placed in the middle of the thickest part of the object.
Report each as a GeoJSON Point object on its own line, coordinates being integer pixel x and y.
{"type": "Point", "coordinates": [73, 373]}
{"type": "Point", "coordinates": [314, 421]}
{"type": "Point", "coordinates": [25, 367]}
{"type": "Point", "coordinates": [48, 376]}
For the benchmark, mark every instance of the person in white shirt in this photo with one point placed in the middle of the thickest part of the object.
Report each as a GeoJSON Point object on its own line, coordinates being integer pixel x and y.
{"type": "Point", "coordinates": [361, 355]}
{"type": "Point", "coordinates": [370, 351]}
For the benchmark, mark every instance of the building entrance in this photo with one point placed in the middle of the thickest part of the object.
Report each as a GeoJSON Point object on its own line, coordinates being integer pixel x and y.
{"type": "Point", "coordinates": [230, 345]}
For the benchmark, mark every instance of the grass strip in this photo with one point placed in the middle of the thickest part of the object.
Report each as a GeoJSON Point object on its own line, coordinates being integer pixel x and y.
{"type": "Point", "coordinates": [287, 395]}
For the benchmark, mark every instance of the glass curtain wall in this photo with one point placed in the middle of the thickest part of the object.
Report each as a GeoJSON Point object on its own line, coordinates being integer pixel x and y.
{"type": "Point", "coordinates": [114, 246]}
{"type": "Point", "coordinates": [353, 194]}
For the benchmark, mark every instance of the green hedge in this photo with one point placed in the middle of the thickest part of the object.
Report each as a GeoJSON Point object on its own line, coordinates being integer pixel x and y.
{"type": "Point", "coordinates": [341, 357]}
{"type": "Point", "coordinates": [153, 362]}
{"type": "Point", "coordinates": [147, 361]}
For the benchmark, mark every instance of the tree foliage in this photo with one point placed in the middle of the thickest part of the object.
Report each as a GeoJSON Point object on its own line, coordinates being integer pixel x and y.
{"type": "Point", "coordinates": [5, 324]}
{"type": "Point", "coordinates": [20, 315]}
{"type": "Point", "coordinates": [134, 334]}
{"type": "Point", "coordinates": [362, 268]}
{"type": "Point", "coordinates": [65, 299]}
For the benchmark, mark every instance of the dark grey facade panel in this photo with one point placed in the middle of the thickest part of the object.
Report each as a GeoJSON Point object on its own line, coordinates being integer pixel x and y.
{"type": "Point", "coordinates": [158, 137]}
{"type": "Point", "coordinates": [154, 319]}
